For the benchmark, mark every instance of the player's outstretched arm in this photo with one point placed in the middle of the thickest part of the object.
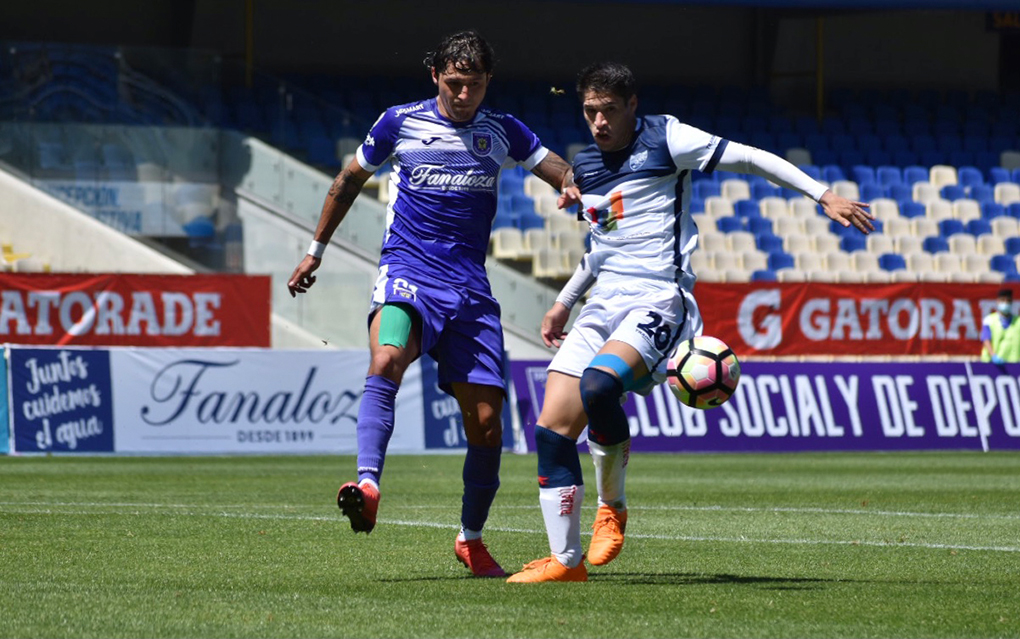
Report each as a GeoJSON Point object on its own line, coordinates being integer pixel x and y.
{"type": "Point", "coordinates": [555, 321]}
{"type": "Point", "coordinates": [555, 171]}
{"type": "Point", "coordinates": [341, 196]}
{"type": "Point", "coordinates": [741, 158]}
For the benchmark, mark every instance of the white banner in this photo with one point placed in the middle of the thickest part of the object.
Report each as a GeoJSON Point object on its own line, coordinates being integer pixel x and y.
{"type": "Point", "coordinates": [249, 401]}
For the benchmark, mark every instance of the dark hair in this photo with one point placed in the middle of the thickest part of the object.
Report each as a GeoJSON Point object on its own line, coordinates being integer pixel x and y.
{"type": "Point", "coordinates": [467, 51]}
{"type": "Point", "coordinates": [607, 77]}
{"type": "Point", "coordinates": [1005, 292]}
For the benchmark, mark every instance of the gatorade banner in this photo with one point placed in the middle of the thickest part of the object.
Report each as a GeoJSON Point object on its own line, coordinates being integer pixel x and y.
{"type": "Point", "coordinates": [822, 406]}
{"type": "Point", "coordinates": [115, 309]}
{"type": "Point", "coordinates": [818, 318]}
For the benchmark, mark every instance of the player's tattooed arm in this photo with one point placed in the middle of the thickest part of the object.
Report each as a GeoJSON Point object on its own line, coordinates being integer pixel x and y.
{"type": "Point", "coordinates": [557, 173]}
{"type": "Point", "coordinates": [341, 196]}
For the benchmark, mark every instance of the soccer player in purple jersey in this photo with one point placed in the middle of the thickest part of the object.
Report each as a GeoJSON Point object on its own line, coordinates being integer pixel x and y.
{"type": "Point", "coordinates": [432, 294]}
{"type": "Point", "coordinates": [635, 184]}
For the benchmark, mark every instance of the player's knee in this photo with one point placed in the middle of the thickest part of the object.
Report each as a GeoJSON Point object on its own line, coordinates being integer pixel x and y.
{"type": "Point", "coordinates": [386, 364]}
{"type": "Point", "coordinates": [599, 390]}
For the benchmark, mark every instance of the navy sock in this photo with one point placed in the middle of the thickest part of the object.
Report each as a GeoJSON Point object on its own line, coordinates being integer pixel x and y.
{"type": "Point", "coordinates": [558, 462]}
{"type": "Point", "coordinates": [481, 481]}
{"type": "Point", "coordinates": [600, 394]}
{"type": "Point", "coordinates": [375, 425]}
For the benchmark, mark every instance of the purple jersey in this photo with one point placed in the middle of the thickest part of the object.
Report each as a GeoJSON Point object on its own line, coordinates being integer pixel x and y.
{"type": "Point", "coordinates": [446, 176]}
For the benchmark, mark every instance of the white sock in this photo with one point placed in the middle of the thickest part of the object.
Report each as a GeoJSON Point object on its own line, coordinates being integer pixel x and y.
{"type": "Point", "coordinates": [611, 472]}
{"type": "Point", "coordinates": [370, 483]}
{"type": "Point", "coordinates": [468, 535]}
{"type": "Point", "coordinates": [561, 509]}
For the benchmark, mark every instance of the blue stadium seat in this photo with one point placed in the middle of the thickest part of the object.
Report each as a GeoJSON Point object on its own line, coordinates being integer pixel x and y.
{"type": "Point", "coordinates": [948, 143]}
{"type": "Point", "coordinates": [504, 219]}
{"type": "Point", "coordinates": [962, 158]}
{"type": "Point", "coordinates": [992, 210]}
{"type": "Point", "coordinates": [878, 157]}
{"type": "Point", "coordinates": [778, 261]}
{"type": "Point", "coordinates": [969, 176]}
{"type": "Point", "coordinates": [840, 142]}
{"type": "Point", "coordinates": [892, 262]}
{"type": "Point", "coordinates": [862, 174]}
{"type": "Point", "coordinates": [851, 243]}
{"type": "Point", "coordinates": [768, 243]}
{"type": "Point", "coordinates": [1012, 245]}
{"type": "Point", "coordinates": [729, 224]}
{"type": "Point", "coordinates": [1013, 210]}
{"type": "Point", "coordinates": [982, 193]}
{"type": "Point", "coordinates": [521, 204]}
{"type": "Point", "coordinates": [812, 170]}
{"type": "Point", "coordinates": [953, 192]}
{"type": "Point", "coordinates": [832, 173]}
{"type": "Point", "coordinates": [762, 190]}
{"type": "Point", "coordinates": [905, 158]}
{"type": "Point", "coordinates": [868, 143]}
{"type": "Point", "coordinates": [1003, 264]}
{"type": "Point", "coordinates": [763, 275]}
{"type": "Point", "coordinates": [747, 208]}
{"type": "Point", "coordinates": [872, 191]}
{"type": "Point", "coordinates": [895, 143]}
{"type": "Point", "coordinates": [997, 174]}
{"type": "Point", "coordinates": [914, 174]}
{"type": "Point", "coordinates": [936, 244]}
{"type": "Point", "coordinates": [923, 143]}
{"type": "Point", "coordinates": [889, 175]}
{"type": "Point", "coordinates": [530, 220]}
{"type": "Point", "coordinates": [979, 227]}
{"type": "Point", "coordinates": [697, 204]}
{"type": "Point", "coordinates": [1015, 175]}
{"type": "Point", "coordinates": [706, 189]}
{"type": "Point", "coordinates": [949, 228]}
{"type": "Point", "coordinates": [878, 224]}
{"type": "Point", "coordinates": [901, 191]}
{"type": "Point", "coordinates": [757, 224]}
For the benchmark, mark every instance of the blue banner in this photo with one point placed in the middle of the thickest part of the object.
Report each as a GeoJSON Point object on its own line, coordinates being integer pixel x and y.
{"type": "Point", "coordinates": [61, 400]}
{"type": "Point", "coordinates": [5, 433]}
{"type": "Point", "coordinates": [444, 424]}
{"type": "Point", "coordinates": [814, 406]}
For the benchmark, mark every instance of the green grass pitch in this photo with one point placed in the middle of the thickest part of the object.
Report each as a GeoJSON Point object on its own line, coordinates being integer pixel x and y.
{"type": "Point", "coordinates": [799, 545]}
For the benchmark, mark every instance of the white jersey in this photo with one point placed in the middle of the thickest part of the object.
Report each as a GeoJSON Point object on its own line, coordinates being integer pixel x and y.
{"type": "Point", "coordinates": [636, 200]}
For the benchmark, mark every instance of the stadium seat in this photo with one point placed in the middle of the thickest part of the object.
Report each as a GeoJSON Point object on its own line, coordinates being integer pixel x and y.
{"type": "Point", "coordinates": [940, 175]}
{"type": "Point", "coordinates": [762, 190]}
{"type": "Point", "coordinates": [872, 191]}
{"type": "Point", "coordinates": [911, 209]}
{"type": "Point", "coordinates": [914, 174]}
{"type": "Point", "coordinates": [925, 192]}
{"type": "Point", "coordinates": [975, 263]}
{"type": "Point", "coordinates": [768, 243]}
{"type": "Point", "coordinates": [963, 245]}
{"type": "Point", "coordinates": [948, 228]}
{"type": "Point", "coordinates": [979, 226]}
{"type": "Point", "coordinates": [923, 227]}
{"type": "Point", "coordinates": [747, 209]}
{"type": "Point", "coordinates": [763, 275]}
{"type": "Point", "coordinates": [832, 173]}
{"type": "Point", "coordinates": [970, 176]}
{"type": "Point", "coordinates": [803, 208]}
{"type": "Point", "coordinates": [997, 175]}
{"type": "Point", "coordinates": [706, 189]}
{"type": "Point", "coordinates": [990, 245]}
{"type": "Point", "coordinates": [966, 210]}
{"type": "Point", "coordinates": [892, 262]}
{"type": "Point", "coordinates": [982, 193]}
{"type": "Point", "coordinates": [826, 244]}
{"type": "Point", "coordinates": [777, 261]}
{"type": "Point", "coordinates": [755, 260]}
{"type": "Point", "coordinates": [1003, 264]}
{"type": "Point", "coordinates": [1004, 227]}
{"type": "Point", "coordinates": [736, 190]}
{"type": "Point", "coordinates": [862, 174]}
{"type": "Point", "coordinates": [741, 242]}
{"type": "Point", "coordinates": [1006, 193]}
{"type": "Point", "coordinates": [948, 263]}
{"type": "Point", "coordinates": [939, 210]}
{"type": "Point", "coordinates": [879, 243]}
{"type": "Point", "coordinates": [838, 262]}
{"type": "Point", "coordinates": [851, 243]}
{"type": "Point", "coordinates": [847, 189]}
{"type": "Point", "coordinates": [786, 226]}
{"type": "Point", "coordinates": [1013, 210]}
{"type": "Point", "coordinates": [729, 224]}
{"type": "Point", "coordinates": [883, 208]}
{"type": "Point", "coordinates": [952, 192]}
{"type": "Point", "coordinates": [889, 175]}
{"type": "Point", "coordinates": [809, 262]}
{"type": "Point", "coordinates": [507, 243]}
{"type": "Point", "coordinates": [907, 244]}
{"type": "Point", "coordinates": [1012, 246]}
{"type": "Point", "coordinates": [901, 191]}
{"type": "Point", "coordinates": [935, 244]}
{"type": "Point", "coordinates": [759, 225]}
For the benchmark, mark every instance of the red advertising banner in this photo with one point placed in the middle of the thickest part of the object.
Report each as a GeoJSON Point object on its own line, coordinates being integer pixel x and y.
{"type": "Point", "coordinates": [816, 318]}
{"type": "Point", "coordinates": [116, 309]}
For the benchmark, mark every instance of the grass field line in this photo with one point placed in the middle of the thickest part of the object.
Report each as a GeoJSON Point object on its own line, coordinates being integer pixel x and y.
{"type": "Point", "coordinates": [530, 531]}
{"type": "Point", "coordinates": [710, 508]}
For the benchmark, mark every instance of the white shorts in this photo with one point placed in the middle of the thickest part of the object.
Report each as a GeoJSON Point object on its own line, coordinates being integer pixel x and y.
{"type": "Point", "coordinates": [653, 316]}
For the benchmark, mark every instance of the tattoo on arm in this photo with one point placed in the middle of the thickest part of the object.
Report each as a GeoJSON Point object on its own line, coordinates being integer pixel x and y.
{"type": "Point", "coordinates": [345, 188]}
{"type": "Point", "coordinates": [555, 170]}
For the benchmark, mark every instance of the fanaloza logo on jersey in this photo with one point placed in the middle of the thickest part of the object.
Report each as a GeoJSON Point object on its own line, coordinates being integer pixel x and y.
{"type": "Point", "coordinates": [638, 160]}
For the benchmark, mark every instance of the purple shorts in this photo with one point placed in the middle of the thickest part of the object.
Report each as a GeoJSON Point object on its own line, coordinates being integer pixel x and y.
{"type": "Point", "coordinates": [460, 328]}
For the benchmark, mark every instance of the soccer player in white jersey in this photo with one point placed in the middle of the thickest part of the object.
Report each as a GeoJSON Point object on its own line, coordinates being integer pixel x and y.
{"type": "Point", "coordinates": [635, 185]}
{"type": "Point", "coordinates": [432, 294]}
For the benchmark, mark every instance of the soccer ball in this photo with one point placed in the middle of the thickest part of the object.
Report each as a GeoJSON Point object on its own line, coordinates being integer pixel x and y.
{"type": "Point", "coordinates": [703, 372]}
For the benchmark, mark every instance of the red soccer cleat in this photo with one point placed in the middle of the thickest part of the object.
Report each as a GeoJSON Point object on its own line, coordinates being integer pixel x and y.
{"type": "Point", "coordinates": [473, 554]}
{"type": "Point", "coordinates": [359, 503]}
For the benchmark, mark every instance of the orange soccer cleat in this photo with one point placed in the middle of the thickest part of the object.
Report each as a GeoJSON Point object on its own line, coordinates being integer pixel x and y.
{"type": "Point", "coordinates": [607, 540]}
{"type": "Point", "coordinates": [549, 569]}
{"type": "Point", "coordinates": [473, 554]}
{"type": "Point", "coordinates": [360, 504]}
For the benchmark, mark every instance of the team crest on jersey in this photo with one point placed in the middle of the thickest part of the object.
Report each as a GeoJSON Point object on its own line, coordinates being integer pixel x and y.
{"type": "Point", "coordinates": [481, 143]}
{"type": "Point", "coordinates": [405, 289]}
{"type": "Point", "coordinates": [638, 160]}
